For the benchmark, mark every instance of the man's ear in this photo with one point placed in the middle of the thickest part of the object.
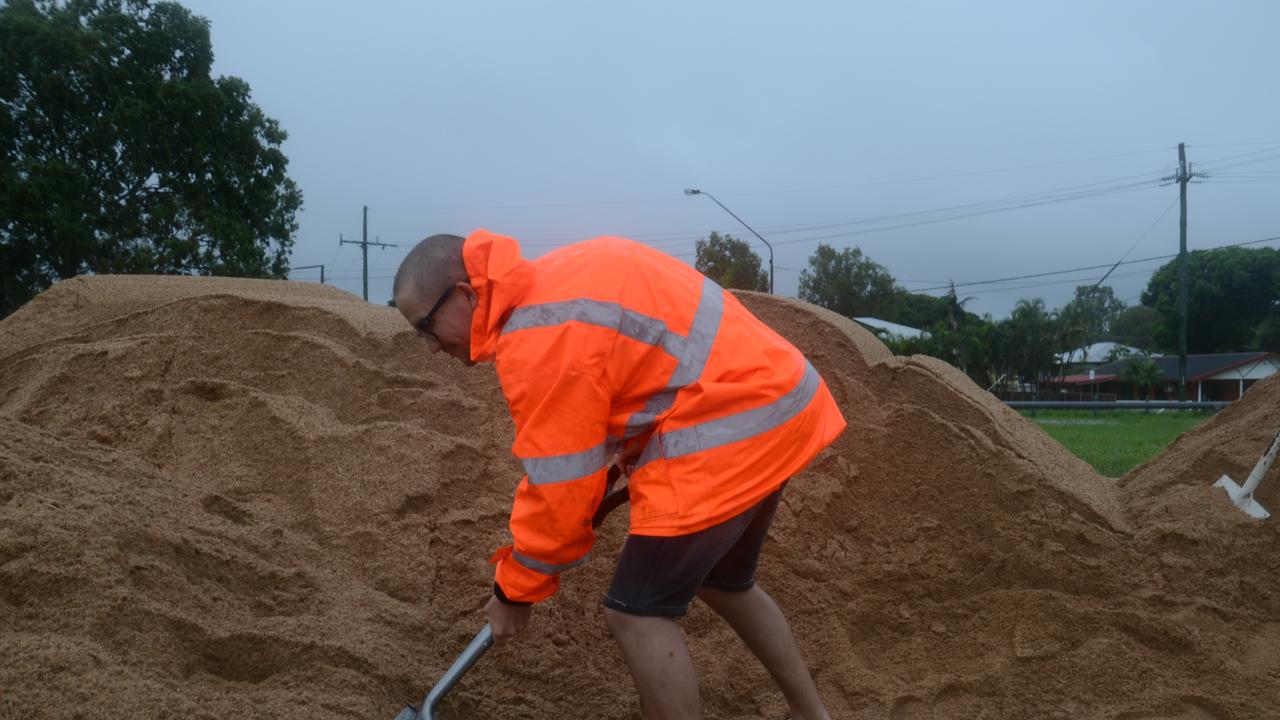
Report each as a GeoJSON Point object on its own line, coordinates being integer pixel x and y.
{"type": "Point", "coordinates": [472, 296]}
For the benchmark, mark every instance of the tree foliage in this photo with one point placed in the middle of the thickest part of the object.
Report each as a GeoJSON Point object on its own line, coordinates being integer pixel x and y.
{"type": "Point", "coordinates": [730, 262]}
{"type": "Point", "coordinates": [1143, 374]}
{"type": "Point", "coordinates": [975, 347]}
{"type": "Point", "coordinates": [1034, 331]}
{"type": "Point", "coordinates": [1267, 337]}
{"type": "Point", "coordinates": [1235, 300]}
{"type": "Point", "coordinates": [120, 153]}
{"type": "Point", "coordinates": [1136, 327]}
{"type": "Point", "coordinates": [919, 311]}
{"type": "Point", "coordinates": [1087, 317]}
{"type": "Point", "coordinates": [847, 282]}
{"type": "Point", "coordinates": [1231, 292]}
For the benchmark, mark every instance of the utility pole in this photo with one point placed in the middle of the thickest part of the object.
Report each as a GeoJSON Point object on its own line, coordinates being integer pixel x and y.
{"type": "Point", "coordinates": [1183, 177]}
{"type": "Point", "coordinates": [1182, 273]}
{"type": "Point", "coordinates": [364, 247]}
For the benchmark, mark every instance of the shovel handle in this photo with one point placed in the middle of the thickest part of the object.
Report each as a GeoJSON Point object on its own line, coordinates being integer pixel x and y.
{"type": "Point", "coordinates": [612, 498]}
{"type": "Point", "coordinates": [479, 644]}
{"type": "Point", "coordinates": [484, 639]}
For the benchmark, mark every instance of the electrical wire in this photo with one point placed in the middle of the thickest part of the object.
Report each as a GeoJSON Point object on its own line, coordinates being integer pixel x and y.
{"type": "Point", "coordinates": [977, 213]}
{"type": "Point", "coordinates": [924, 217]}
{"type": "Point", "coordinates": [1233, 157]}
{"type": "Point", "coordinates": [948, 176]}
{"type": "Point", "coordinates": [1070, 281]}
{"type": "Point", "coordinates": [1090, 267]}
{"type": "Point", "coordinates": [1139, 240]}
{"type": "Point", "coordinates": [586, 203]}
{"type": "Point", "coordinates": [1211, 169]}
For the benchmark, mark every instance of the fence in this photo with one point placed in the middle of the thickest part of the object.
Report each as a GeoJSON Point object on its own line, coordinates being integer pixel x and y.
{"type": "Point", "coordinates": [1114, 405]}
{"type": "Point", "coordinates": [1052, 397]}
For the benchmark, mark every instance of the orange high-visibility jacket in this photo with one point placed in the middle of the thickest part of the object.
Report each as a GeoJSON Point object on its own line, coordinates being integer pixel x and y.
{"type": "Point", "coordinates": [609, 346]}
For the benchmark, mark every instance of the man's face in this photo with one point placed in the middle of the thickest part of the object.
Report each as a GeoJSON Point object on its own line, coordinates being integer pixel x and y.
{"type": "Point", "coordinates": [442, 319]}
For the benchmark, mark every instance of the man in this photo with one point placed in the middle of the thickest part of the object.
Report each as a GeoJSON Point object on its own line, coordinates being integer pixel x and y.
{"type": "Point", "coordinates": [610, 352]}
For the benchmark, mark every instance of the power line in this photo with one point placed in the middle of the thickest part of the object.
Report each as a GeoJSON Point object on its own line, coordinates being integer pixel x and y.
{"type": "Point", "coordinates": [951, 175]}
{"type": "Point", "coordinates": [922, 217]}
{"type": "Point", "coordinates": [1242, 163]}
{"type": "Point", "coordinates": [978, 212]}
{"type": "Point", "coordinates": [1248, 154]}
{"type": "Point", "coordinates": [1253, 144]}
{"type": "Point", "coordinates": [1139, 240]}
{"type": "Point", "coordinates": [585, 203]}
{"type": "Point", "coordinates": [1083, 269]}
{"type": "Point", "coordinates": [991, 281]}
{"type": "Point", "coordinates": [1070, 281]}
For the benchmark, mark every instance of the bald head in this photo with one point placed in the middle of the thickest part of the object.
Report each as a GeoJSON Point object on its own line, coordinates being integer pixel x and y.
{"type": "Point", "coordinates": [431, 266]}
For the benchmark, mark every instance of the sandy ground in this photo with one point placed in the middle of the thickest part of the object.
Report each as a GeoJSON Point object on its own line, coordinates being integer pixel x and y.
{"type": "Point", "coordinates": [232, 498]}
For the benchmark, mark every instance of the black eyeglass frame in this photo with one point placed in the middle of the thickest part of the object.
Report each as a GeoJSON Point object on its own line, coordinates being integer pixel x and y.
{"type": "Point", "coordinates": [425, 323]}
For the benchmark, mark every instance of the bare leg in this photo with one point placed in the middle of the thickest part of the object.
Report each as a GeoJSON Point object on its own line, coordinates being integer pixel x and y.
{"type": "Point", "coordinates": [660, 665]}
{"type": "Point", "coordinates": [758, 620]}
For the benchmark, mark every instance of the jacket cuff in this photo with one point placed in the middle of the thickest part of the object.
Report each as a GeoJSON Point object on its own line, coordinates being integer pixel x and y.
{"type": "Point", "coordinates": [502, 597]}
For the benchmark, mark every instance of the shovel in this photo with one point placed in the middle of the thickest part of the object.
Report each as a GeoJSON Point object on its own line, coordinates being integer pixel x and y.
{"type": "Point", "coordinates": [1242, 495]}
{"type": "Point", "coordinates": [484, 639]}
{"type": "Point", "coordinates": [479, 644]}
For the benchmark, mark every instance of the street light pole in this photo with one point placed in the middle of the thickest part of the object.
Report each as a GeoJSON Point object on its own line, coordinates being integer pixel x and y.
{"type": "Point", "coordinates": [695, 191]}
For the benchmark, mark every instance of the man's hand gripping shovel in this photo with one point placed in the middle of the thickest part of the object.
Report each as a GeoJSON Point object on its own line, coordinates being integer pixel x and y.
{"type": "Point", "coordinates": [613, 497]}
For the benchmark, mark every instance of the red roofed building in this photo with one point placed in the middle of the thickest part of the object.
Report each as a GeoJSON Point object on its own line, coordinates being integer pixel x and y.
{"type": "Point", "coordinates": [1219, 376]}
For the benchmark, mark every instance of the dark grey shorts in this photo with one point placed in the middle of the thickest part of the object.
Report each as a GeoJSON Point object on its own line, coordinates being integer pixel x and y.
{"type": "Point", "coordinates": [659, 576]}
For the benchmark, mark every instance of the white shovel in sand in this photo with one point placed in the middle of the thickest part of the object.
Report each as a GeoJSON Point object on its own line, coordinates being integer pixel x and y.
{"type": "Point", "coordinates": [1242, 496]}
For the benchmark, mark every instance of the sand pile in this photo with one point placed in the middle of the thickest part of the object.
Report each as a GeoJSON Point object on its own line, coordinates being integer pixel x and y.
{"type": "Point", "coordinates": [1230, 443]}
{"type": "Point", "coordinates": [229, 498]}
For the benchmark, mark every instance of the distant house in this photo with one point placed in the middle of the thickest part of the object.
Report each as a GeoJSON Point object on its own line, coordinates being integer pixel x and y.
{"type": "Point", "coordinates": [885, 328]}
{"type": "Point", "coordinates": [1096, 354]}
{"type": "Point", "coordinates": [1222, 376]}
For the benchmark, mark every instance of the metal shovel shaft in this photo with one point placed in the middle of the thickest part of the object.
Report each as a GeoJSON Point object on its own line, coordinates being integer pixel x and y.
{"type": "Point", "coordinates": [479, 644]}
{"type": "Point", "coordinates": [484, 639]}
{"type": "Point", "coordinates": [474, 650]}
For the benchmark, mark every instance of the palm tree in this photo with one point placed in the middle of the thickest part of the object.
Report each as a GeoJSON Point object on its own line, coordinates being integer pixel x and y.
{"type": "Point", "coordinates": [1142, 373]}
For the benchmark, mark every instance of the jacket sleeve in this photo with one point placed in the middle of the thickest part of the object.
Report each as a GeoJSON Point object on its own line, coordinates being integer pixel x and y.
{"type": "Point", "coordinates": [561, 419]}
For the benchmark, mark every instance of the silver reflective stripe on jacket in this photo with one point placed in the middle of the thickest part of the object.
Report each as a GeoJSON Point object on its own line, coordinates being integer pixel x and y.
{"type": "Point", "coordinates": [702, 335]}
{"type": "Point", "coordinates": [548, 568]}
{"type": "Point", "coordinates": [562, 468]}
{"type": "Point", "coordinates": [637, 326]}
{"type": "Point", "coordinates": [735, 427]}
{"type": "Point", "coordinates": [691, 352]}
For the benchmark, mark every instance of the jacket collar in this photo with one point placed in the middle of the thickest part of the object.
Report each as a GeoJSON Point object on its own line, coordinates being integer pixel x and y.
{"type": "Point", "coordinates": [501, 279]}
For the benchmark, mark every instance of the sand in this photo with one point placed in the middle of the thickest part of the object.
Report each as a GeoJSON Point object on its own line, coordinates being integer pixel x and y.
{"type": "Point", "coordinates": [235, 498]}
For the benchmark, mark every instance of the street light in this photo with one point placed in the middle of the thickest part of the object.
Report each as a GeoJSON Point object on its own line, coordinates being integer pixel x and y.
{"type": "Point", "coordinates": [695, 191]}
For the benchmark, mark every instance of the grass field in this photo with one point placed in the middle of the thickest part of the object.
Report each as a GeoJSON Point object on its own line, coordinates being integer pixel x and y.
{"type": "Point", "coordinates": [1114, 441]}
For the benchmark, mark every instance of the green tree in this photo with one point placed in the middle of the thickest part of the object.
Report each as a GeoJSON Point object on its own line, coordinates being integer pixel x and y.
{"type": "Point", "coordinates": [1087, 318]}
{"type": "Point", "coordinates": [955, 335]}
{"type": "Point", "coordinates": [1231, 292]}
{"type": "Point", "coordinates": [1120, 352]}
{"type": "Point", "coordinates": [917, 310]}
{"type": "Point", "coordinates": [1143, 374]}
{"type": "Point", "coordinates": [120, 153]}
{"type": "Point", "coordinates": [848, 282]}
{"type": "Point", "coordinates": [1031, 340]}
{"type": "Point", "coordinates": [730, 262]}
{"type": "Point", "coordinates": [1136, 327]}
{"type": "Point", "coordinates": [1267, 336]}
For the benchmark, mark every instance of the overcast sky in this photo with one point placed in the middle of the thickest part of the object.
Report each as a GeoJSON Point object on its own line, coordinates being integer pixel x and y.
{"type": "Point", "coordinates": [837, 122]}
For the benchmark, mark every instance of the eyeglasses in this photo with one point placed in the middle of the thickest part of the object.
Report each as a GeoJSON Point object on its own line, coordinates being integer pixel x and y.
{"type": "Point", "coordinates": [423, 326]}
